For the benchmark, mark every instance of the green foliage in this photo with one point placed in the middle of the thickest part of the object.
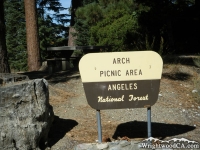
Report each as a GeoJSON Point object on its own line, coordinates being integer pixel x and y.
{"type": "Point", "coordinates": [86, 17]}
{"type": "Point", "coordinates": [16, 34]}
{"type": "Point", "coordinates": [119, 23]}
{"type": "Point", "coordinates": [85, 2]}
{"type": "Point", "coordinates": [82, 33]}
{"type": "Point", "coordinates": [113, 23]}
{"type": "Point", "coordinates": [164, 26]}
{"type": "Point", "coordinates": [174, 22]}
{"type": "Point", "coordinates": [50, 33]}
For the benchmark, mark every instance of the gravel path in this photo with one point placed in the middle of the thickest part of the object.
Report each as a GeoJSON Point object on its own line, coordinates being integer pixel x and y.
{"type": "Point", "coordinates": [175, 115]}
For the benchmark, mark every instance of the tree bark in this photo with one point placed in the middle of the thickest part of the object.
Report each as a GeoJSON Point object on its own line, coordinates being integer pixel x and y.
{"type": "Point", "coordinates": [74, 6]}
{"type": "Point", "coordinates": [71, 38]}
{"type": "Point", "coordinates": [4, 66]}
{"type": "Point", "coordinates": [32, 36]}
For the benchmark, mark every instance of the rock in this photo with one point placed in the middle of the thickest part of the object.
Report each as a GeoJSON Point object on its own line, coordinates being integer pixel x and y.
{"type": "Point", "coordinates": [84, 146]}
{"type": "Point", "coordinates": [124, 143]}
{"type": "Point", "coordinates": [11, 78]}
{"type": "Point", "coordinates": [25, 115]}
{"type": "Point", "coordinates": [194, 91]}
{"type": "Point", "coordinates": [102, 145]}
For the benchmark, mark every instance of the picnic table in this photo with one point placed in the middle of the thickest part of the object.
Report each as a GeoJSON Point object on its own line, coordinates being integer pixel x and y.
{"type": "Point", "coordinates": [66, 55]}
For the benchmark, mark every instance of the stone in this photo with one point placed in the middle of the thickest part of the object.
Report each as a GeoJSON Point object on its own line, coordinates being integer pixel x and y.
{"type": "Point", "coordinates": [102, 145]}
{"type": "Point", "coordinates": [11, 78]}
{"type": "Point", "coordinates": [25, 114]}
{"type": "Point", "coordinates": [116, 148]}
{"type": "Point", "coordinates": [124, 143]}
{"type": "Point", "coordinates": [84, 146]}
{"type": "Point", "coordinates": [194, 91]}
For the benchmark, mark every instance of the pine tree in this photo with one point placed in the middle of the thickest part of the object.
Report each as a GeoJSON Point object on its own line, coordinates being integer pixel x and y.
{"type": "Point", "coordinates": [4, 66]}
{"type": "Point", "coordinates": [16, 34]}
{"type": "Point", "coordinates": [118, 25]}
{"type": "Point", "coordinates": [163, 25]}
{"type": "Point", "coordinates": [111, 23]}
{"type": "Point", "coordinates": [53, 28]}
{"type": "Point", "coordinates": [85, 9]}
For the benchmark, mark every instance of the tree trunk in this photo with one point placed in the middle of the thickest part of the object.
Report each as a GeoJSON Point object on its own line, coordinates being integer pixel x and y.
{"type": "Point", "coordinates": [32, 36]}
{"type": "Point", "coordinates": [74, 6]}
{"type": "Point", "coordinates": [4, 66]}
{"type": "Point", "coordinates": [71, 38]}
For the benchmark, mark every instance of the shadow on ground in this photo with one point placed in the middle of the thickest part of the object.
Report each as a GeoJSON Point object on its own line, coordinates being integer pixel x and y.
{"type": "Point", "coordinates": [35, 74]}
{"type": "Point", "coordinates": [55, 77]}
{"type": "Point", "coordinates": [63, 76]}
{"type": "Point", "coordinates": [178, 59]}
{"type": "Point", "coordinates": [59, 129]}
{"type": "Point", "coordinates": [177, 76]}
{"type": "Point", "coordinates": [138, 129]}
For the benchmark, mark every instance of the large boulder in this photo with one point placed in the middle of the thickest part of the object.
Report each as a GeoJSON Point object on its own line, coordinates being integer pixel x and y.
{"type": "Point", "coordinates": [25, 114]}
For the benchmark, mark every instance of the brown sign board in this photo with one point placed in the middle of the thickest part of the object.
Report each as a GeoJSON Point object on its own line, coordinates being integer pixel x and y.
{"type": "Point", "coordinates": [117, 80]}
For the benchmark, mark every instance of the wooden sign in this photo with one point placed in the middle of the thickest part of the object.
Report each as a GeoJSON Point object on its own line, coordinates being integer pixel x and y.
{"type": "Point", "coordinates": [118, 80]}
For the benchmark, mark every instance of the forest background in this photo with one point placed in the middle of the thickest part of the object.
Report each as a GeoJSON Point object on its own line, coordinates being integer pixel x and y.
{"type": "Point", "coordinates": [165, 26]}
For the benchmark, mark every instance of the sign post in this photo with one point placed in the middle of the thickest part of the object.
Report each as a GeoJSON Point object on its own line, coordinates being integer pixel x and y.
{"type": "Point", "coordinates": [99, 126]}
{"type": "Point", "coordinates": [149, 121]}
{"type": "Point", "coordinates": [118, 80]}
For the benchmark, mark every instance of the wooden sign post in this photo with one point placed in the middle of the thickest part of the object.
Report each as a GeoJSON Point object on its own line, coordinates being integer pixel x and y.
{"type": "Point", "coordinates": [118, 80]}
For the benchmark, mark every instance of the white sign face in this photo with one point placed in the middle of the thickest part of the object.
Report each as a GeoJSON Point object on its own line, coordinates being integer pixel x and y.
{"type": "Point", "coordinates": [121, 79]}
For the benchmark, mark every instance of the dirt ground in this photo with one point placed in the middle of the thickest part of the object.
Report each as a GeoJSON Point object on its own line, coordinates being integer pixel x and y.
{"type": "Point", "coordinates": [175, 114]}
